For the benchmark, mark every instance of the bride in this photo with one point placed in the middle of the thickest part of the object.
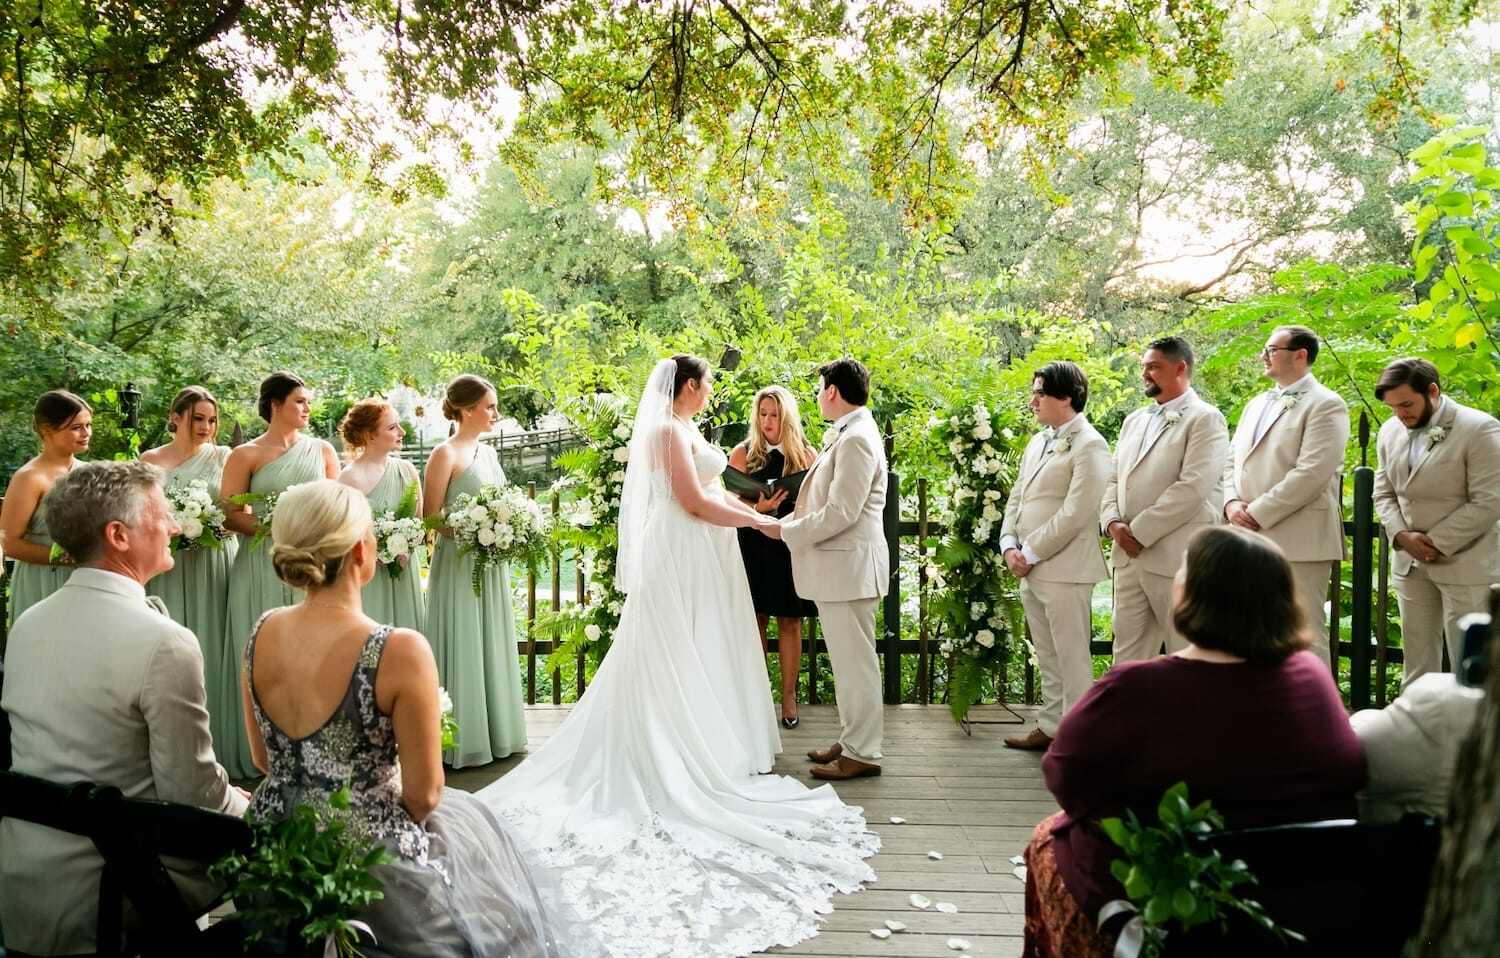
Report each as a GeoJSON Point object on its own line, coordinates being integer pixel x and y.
{"type": "Point", "coordinates": [647, 802]}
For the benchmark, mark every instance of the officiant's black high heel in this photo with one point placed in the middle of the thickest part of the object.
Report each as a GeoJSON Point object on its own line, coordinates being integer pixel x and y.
{"type": "Point", "coordinates": [791, 723]}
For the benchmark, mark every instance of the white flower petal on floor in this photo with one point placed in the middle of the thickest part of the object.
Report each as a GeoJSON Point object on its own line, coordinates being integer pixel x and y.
{"type": "Point", "coordinates": [947, 907]}
{"type": "Point", "coordinates": [895, 925]}
{"type": "Point", "coordinates": [1019, 871]}
{"type": "Point", "coordinates": [897, 820]}
{"type": "Point", "coordinates": [880, 932]}
{"type": "Point", "coordinates": [1017, 860]}
{"type": "Point", "coordinates": [958, 944]}
{"type": "Point", "coordinates": [935, 856]}
{"type": "Point", "coordinates": [920, 901]}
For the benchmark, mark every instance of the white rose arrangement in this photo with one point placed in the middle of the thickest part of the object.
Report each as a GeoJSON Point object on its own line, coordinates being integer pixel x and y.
{"type": "Point", "coordinates": [497, 524]}
{"type": "Point", "coordinates": [446, 722]}
{"type": "Point", "coordinates": [198, 514]}
{"type": "Point", "coordinates": [399, 534]}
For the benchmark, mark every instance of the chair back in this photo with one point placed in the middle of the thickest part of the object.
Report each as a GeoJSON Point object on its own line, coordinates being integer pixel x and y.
{"type": "Point", "coordinates": [131, 835]}
{"type": "Point", "coordinates": [1349, 887]}
{"type": "Point", "coordinates": [4, 718]}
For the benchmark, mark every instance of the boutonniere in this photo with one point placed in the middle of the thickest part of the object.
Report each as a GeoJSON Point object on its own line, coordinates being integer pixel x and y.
{"type": "Point", "coordinates": [1062, 445]}
{"type": "Point", "coordinates": [1436, 435]}
{"type": "Point", "coordinates": [1290, 400]}
{"type": "Point", "coordinates": [1171, 419]}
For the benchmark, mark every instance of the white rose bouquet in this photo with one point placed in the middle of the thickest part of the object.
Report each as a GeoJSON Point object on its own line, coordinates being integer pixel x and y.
{"type": "Point", "coordinates": [198, 514]}
{"type": "Point", "coordinates": [446, 722]}
{"type": "Point", "coordinates": [498, 524]}
{"type": "Point", "coordinates": [399, 533]}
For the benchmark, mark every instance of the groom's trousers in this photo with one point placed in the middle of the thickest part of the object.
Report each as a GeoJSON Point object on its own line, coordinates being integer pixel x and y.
{"type": "Point", "coordinates": [849, 631]}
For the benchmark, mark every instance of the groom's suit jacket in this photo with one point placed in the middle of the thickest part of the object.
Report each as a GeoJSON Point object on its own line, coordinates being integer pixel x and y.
{"type": "Point", "coordinates": [1054, 504]}
{"type": "Point", "coordinates": [101, 686]}
{"type": "Point", "coordinates": [836, 532]}
{"type": "Point", "coordinates": [1290, 478]}
{"type": "Point", "coordinates": [1170, 487]}
{"type": "Point", "coordinates": [1452, 494]}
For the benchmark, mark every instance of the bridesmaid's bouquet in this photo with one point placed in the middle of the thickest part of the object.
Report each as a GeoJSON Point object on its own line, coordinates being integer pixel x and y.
{"type": "Point", "coordinates": [267, 502]}
{"type": "Point", "coordinates": [200, 517]}
{"type": "Point", "coordinates": [447, 722]}
{"type": "Point", "coordinates": [398, 533]}
{"type": "Point", "coordinates": [497, 524]}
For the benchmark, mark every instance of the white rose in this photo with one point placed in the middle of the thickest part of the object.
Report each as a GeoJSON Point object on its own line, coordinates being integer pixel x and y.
{"type": "Point", "coordinates": [478, 513]}
{"type": "Point", "coordinates": [991, 495]}
{"type": "Point", "coordinates": [396, 545]}
{"type": "Point", "coordinates": [591, 632]}
{"type": "Point", "coordinates": [192, 528]}
{"type": "Point", "coordinates": [983, 431]}
{"type": "Point", "coordinates": [486, 537]}
{"type": "Point", "coordinates": [985, 638]}
{"type": "Point", "coordinates": [445, 701]}
{"type": "Point", "coordinates": [501, 512]}
{"type": "Point", "coordinates": [990, 512]}
{"type": "Point", "coordinates": [192, 509]}
{"type": "Point", "coordinates": [622, 431]}
{"type": "Point", "coordinates": [622, 454]}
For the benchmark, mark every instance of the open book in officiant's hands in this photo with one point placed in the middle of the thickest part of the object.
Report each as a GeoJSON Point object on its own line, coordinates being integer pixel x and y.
{"type": "Point", "coordinates": [744, 484]}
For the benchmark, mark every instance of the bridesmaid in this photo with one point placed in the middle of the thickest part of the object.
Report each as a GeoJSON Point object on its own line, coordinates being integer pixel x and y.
{"type": "Point", "coordinates": [473, 637]}
{"type": "Point", "coordinates": [272, 462]}
{"type": "Point", "coordinates": [65, 423]}
{"type": "Point", "coordinates": [372, 433]}
{"type": "Point", "coordinates": [196, 589]}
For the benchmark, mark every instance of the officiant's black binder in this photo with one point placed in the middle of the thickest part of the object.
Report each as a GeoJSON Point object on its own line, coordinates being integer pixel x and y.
{"type": "Point", "coordinates": [743, 484]}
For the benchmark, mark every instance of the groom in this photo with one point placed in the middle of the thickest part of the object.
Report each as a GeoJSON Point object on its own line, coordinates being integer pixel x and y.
{"type": "Point", "coordinates": [840, 561]}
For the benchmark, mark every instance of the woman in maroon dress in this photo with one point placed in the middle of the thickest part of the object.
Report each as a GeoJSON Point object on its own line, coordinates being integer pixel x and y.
{"type": "Point", "coordinates": [1243, 715]}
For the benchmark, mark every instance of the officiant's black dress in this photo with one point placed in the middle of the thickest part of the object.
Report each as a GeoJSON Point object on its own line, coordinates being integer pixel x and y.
{"type": "Point", "coordinates": [768, 562]}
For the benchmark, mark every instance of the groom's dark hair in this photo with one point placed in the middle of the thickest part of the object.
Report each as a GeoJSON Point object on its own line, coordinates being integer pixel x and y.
{"type": "Point", "coordinates": [1064, 380]}
{"type": "Point", "coordinates": [850, 377]}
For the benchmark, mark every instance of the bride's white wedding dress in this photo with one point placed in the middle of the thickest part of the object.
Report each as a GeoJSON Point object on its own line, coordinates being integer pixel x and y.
{"type": "Point", "coordinates": [648, 800]}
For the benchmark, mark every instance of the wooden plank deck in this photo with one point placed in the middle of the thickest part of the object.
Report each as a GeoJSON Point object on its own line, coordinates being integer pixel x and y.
{"type": "Point", "coordinates": [970, 798]}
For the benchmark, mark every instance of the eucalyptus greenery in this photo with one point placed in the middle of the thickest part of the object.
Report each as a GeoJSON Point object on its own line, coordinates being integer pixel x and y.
{"type": "Point", "coordinates": [308, 876]}
{"type": "Point", "coordinates": [1172, 879]}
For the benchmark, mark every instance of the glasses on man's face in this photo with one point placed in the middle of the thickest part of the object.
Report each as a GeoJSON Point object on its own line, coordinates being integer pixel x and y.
{"type": "Point", "coordinates": [1270, 351]}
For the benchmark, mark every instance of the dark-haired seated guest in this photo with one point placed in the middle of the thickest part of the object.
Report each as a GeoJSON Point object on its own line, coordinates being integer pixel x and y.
{"type": "Point", "coordinates": [1243, 715]}
{"type": "Point", "coordinates": [101, 686]}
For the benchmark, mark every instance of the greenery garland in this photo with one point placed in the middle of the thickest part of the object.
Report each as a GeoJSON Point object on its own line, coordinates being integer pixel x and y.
{"type": "Point", "coordinates": [977, 602]}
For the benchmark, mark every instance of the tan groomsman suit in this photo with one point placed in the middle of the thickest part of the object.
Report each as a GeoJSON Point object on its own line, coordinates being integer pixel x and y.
{"type": "Point", "coordinates": [1284, 465]}
{"type": "Point", "coordinates": [1449, 489]}
{"type": "Point", "coordinates": [100, 686]}
{"type": "Point", "coordinates": [1411, 748]}
{"type": "Point", "coordinates": [840, 560]}
{"type": "Point", "coordinates": [1165, 485]}
{"type": "Point", "coordinates": [1051, 518]}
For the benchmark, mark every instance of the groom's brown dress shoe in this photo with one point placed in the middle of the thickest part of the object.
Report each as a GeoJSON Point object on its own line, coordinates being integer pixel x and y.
{"type": "Point", "coordinates": [1037, 741]}
{"type": "Point", "coordinates": [824, 756]}
{"type": "Point", "coordinates": [844, 768]}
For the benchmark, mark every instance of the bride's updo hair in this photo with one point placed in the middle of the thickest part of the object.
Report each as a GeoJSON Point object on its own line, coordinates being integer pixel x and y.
{"type": "Point", "coordinates": [690, 369]}
{"type": "Point", "coordinates": [312, 530]}
{"type": "Point", "coordinates": [464, 391]}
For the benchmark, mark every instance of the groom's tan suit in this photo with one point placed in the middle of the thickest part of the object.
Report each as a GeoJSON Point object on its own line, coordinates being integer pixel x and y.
{"type": "Point", "coordinates": [1284, 465]}
{"type": "Point", "coordinates": [1051, 517]}
{"type": "Point", "coordinates": [840, 560]}
{"type": "Point", "coordinates": [1165, 485]}
{"type": "Point", "coordinates": [1450, 490]}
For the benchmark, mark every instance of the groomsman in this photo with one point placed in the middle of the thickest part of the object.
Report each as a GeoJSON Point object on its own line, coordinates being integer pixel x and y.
{"type": "Point", "coordinates": [1165, 486]}
{"type": "Point", "coordinates": [1437, 491]}
{"type": "Point", "coordinates": [1282, 475]}
{"type": "Point", "coordinates": [1051, 543]}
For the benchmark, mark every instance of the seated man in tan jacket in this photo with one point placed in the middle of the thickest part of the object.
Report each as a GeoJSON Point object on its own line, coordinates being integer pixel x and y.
{"type": "Point", "coordinates": [1165, 486]}
{"type": "Point", "coordinates": [101, 686]}
{"type": "Point", "coordinates": [1437, 491]}
{"type": "Point", "coordinates": [1050, 541]}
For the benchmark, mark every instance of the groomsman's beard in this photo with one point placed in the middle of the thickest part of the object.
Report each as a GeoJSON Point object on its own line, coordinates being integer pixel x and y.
{"type": "Point", "coordinates": [1153, 389]}
{"type": "Point", "coordinates": [1428, 409]}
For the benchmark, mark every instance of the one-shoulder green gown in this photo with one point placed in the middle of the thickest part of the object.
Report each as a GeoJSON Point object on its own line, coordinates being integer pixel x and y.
{"type": "Point", "coordinates": [254, 589]}
{"type": "Point", "coordinates": [396, 600]}
{"type": "Point", "coordinates": [474, 638]}
{"type": "Point", "coordinates": [31, 583]}
{"type": "Point", "coordinates": [196, 591]}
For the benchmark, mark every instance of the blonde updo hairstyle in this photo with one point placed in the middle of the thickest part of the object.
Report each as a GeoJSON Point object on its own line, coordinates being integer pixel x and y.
{"type": "Point", "coordinates": [313, 530]}
{"type": "Point", "coordinates": [463, 392]}
{"type": "Point", "coordinates": [361, 421]}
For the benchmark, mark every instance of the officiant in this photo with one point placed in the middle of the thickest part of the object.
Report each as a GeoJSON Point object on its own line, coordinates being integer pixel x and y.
{"type": "Point", "coordinates": [775, 448]}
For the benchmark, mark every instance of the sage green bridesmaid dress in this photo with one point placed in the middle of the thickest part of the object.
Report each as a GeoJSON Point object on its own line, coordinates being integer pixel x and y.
{"type": "Point", "coordinates": [196, 592]}
{"type": "Point", "coordinates": [30, 583]}
{"type": "Point", "coordinates": [396, 600]}
{"type": "Point", "coordinates": [254, 589]}
{"type": "Point", "coordinates": [474, 637]}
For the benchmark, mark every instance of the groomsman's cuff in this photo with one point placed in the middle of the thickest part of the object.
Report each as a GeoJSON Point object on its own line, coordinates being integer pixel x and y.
{"type": "Point", "coordinates": [1031, 557]}
{"type": "Point", "coordinates": [1008, 543]}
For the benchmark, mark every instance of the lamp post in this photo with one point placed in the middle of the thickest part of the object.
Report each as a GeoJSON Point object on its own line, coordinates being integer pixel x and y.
{"type": "Point", "coordinates": [130, 401]}
{"type": "Point", "coordinates": [729, 361]}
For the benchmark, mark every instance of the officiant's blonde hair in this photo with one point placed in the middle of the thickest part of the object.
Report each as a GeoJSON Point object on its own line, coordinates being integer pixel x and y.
{"type": "Point", "coordinates": [794, 446]}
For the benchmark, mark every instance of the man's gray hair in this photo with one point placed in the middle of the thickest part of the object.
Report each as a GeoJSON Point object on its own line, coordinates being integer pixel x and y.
{"type": "Point", "coordinates": [86, 500]}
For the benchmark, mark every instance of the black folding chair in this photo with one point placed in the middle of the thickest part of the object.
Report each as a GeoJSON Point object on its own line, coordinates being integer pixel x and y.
{"type": "Point", "coordinates": [132, 835]}
{"type": "Point", "coordinates": [1350, 888]}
